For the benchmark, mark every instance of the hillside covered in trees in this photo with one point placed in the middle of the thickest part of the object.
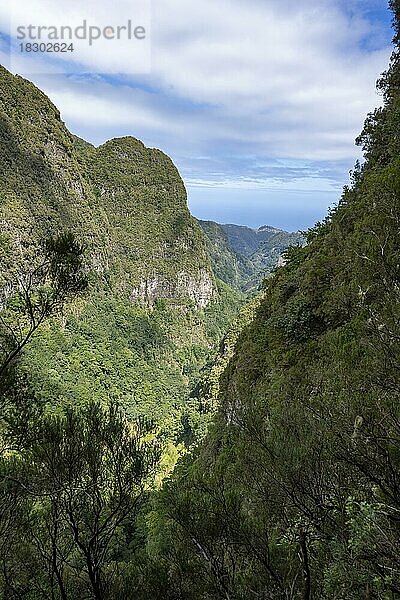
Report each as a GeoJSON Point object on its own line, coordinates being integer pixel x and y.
{"type": "Point", "coordinates": [154, 311]}
{"type": "Point", "coordinates": [243, 257]}
{"type": "Point", "coordinates": [287, 439]}
{"type": "Point", "coordinates": [294, 494]}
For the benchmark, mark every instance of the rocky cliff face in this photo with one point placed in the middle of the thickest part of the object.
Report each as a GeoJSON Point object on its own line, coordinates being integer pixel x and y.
{"type": "Point", "coordinates": [199, 290]}
{"type": "Point", "coordinates": [125, 201]}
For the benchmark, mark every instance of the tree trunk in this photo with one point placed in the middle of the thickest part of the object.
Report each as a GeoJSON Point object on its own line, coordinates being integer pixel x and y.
{"type": "Point", "coordinates": [305, 564]}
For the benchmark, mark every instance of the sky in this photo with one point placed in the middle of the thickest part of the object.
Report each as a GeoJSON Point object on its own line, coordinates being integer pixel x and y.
{"type": "Point", "coordinates": [258, 102]}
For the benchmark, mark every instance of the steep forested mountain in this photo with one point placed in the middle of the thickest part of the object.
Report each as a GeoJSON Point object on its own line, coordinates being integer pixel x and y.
{"type": "Point", "coordinates": [243, 257]}
{"type": "Point", "coordinates": [230, 266]}
{"type": "Point", "coordinates": [125, 201]}
{"type": "Point", "coordinates": [246, 240]}
{"type": "Point", "coordinates": [153, 309]}
{"type": "Point", "coordinates": [294, 493]}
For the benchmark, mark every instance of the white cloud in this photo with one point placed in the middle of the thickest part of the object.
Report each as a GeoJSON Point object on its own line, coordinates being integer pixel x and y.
{"type": "Point", "coordinates": [277, 71]}
{"type": "Point", "coordinates": [302, 184]}
{"type": "Point", "coordinates": [238, 81]}
{"type": "Point", "coordinates": [92, 51]}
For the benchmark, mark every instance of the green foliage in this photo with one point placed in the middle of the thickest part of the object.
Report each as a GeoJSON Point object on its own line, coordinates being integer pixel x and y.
{"type": "Point", "coordinates": [242, 257]}
{"type": "Point", "coordinates": [56, 277]}
{"type": "Point", "coordinates": [293, 493]}
{"type": "Point", "coordinates": [76, 487]}
{"type": "Point", "coordinates": [153, 311]}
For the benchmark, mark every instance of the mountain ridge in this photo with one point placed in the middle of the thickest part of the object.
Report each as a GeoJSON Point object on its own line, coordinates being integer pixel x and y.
{"type": "Point", "coordinates": [154, 310]}
{"type": "Point", "coordinates": [290, 488]}
{"type": "Point", "coordinates": [244, 256]}
{"type": "Point", "coordinates": [122, 172]}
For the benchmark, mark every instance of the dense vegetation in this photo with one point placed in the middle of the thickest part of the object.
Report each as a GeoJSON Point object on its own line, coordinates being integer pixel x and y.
{"type": "Point", "coordinates": [118, 369]}
{"type": "Point", "coordinates": [244, 257]}
{"type": "Point", "coordinates": [293, 492]}
{"type": "Point", "coordinates": [154, 311]}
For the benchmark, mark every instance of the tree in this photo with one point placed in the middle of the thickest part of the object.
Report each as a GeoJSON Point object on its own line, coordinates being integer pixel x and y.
{"type": "Point", "coordinates": [84, 478]}
{"type": "Point", "coordinates": [39, 293]}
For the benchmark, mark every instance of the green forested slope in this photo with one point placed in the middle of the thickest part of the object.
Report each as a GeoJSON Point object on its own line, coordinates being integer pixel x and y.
{"type": "Point", "coordinates": [153, 310]}
{"type": "Point", "coordinates": [244, 257]}
{"type": "Point", "coordinates": [230, 266]}
{"type": "Point", "coordinates": [97, 407]}
{"type": "Point", "coordinates": [293, 494]}
{"type": "Point", "coordinates": [295, 491]}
